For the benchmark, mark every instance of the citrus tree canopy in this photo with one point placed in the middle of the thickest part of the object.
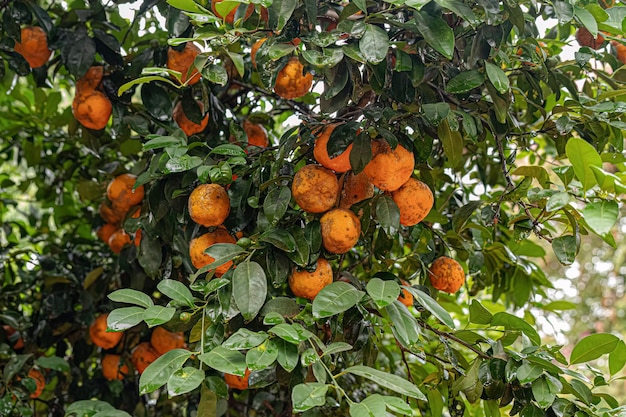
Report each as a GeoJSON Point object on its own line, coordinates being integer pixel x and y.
{"type": "Point", "coordinates": [298, 207]}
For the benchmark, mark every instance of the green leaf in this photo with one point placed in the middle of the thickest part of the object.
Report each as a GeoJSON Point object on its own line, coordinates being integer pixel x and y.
{"type": "Point", "coordinates": [405, 327]}
{"type": "Point", "coordinates": [557, 201]}
{"type": "Point", "coordinates": [160, 371]}
{"type": "Point", "coordinates": [187, 5]}
{"type": "Point", "coordinates": [399, 406]}
{"type": "Point", "coordinates": [160, 142]}
{"type": "Point", "coordinates": [280, 12]}
{"type": "Point", "coordinates": [184, 380]}
{"type": "Point", "coordinates": [124, 318]}
{"type": "Point", "coordinates": [177, 291]}
{"type": "Point", "coordinates": [461, 9]}
{"type": "Point", "coordinates": [328, 58]}
{"type": "Point", "coordinates": [617, 358]}
{"type": "Point", "coordinates": [431, 305]}
{"type": "Point", "coordinates": [479, 314]}
{"type": "Point", "coordinates": [453, 144]}
{"type": "Point", "coordinates": [511, 322]}
{"type": "Point", "coordinates": [361, 152]}
{"type": "Point", "coordinates": [335, 298]}
{"type": "Point", "coordinates": [225, 360]}
{"type": "Point", "coordinates": [587, 19]}
{"type": "Point", "coordinates": [565, 249]}
{"type": "Point", "coordinates": [244, 339]}
{"type": "Point", "coordinates": [249, 288]}
{"type": "Point", "coordinates": [157, 315]}
{"type": "Point", "coordinates": [592, 347]}
{"type": "Point", "coordinates": [528, 372]}
{"type": "Point", "coordinates": [601, 216]}
{"type": "Point", "coordinates": [564, 11]}
{"type": "Point", "coordinates": [276, 203]}
{"type": "Point", "coordinates": [436, 32]}
{"type": "Point", "coordinates": [374, 44]}
{"type": "Point", "coordinates": [308, 395]}
{"type": "Point", "coordinates": [383, 292]}
{"type": "Point", "coordinates": [336, 347]}
{"type": "Point", "coordinates": [222, 253]}
{"type": "Point", "coordinates": [129, 296]}
{"type": "Point", "coordinates": [53, 362]}
{"type": "Point", "coordinates": [387, 380]}
{"type": "Point", "coordinates": [262, 356]}
{"type": "Point", "coordinates": [287, 355]}
{"type": "Point", "coordinates": [372, 406]}
{"type": "Point", "coordinates": [228, 150]}
{"type": "Point", "coordinates": [216, 74]}
{"type": "Point", "coordinates": [465, 81]}
{"type": "Point", "coordinates": [280, 239]}
{"type": "Point", "coordinates": [583, 156]}
{"type": "Point", "coordinates": [388, 215]}
{"type": "Point", "coordinates": [82, 407]}
{"type": "Point", "coordinates": [497, 77]}
{"type": "Point", "coordinates": [292, 333]}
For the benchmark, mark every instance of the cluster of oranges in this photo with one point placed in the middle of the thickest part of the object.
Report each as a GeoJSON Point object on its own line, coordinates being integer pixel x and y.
{"type": "Point", "coordinates": [122, 199]}
{"type": "Point", "coordinates": [114, 366]}
{"type": "Point", "coordinates": [91, 107]}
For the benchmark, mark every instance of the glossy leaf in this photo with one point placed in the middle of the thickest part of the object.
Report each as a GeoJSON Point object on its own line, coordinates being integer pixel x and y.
{"type": "Point", "coordinates": [184, 380]}
{"type": "Point", "coordinates": [124, 318]}
{"type": "Point", "coordinates": [335, 298]}
{"type": "Point", "coordinates": [387, 380]}
{"type": "Point", "coordinates": [383, 292]}
{"type": "Point", "coordinates": [583, 156]}
{"type": "Point", "coordinates": [592, 347]}
{"type": "Point", "coordinates": [249, 288]}
{"type": "Point", "coordinates": [225, 360]}
{"type": "Point", "coordinates": [159, 371]}
{"type": "Point", "coordinates": [177, 291]}
{"type": "Point", "coordinates": [129, 296]}
{"type": "Point", "coordinates": [308, 395]}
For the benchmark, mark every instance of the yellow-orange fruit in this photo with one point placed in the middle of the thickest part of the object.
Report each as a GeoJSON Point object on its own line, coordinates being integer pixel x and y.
{"type": "Point", "coordinates": [307, 284]}
{"type": "Point", "coordinates": [16, 342]}
{"type": "Point", "coordinates": [291, 81]}
{"type": "Point", "coordinates": [33, 46]}
{"type": "Point", "coordinates": [209, 205]}
{"type": "Point", "coordinates": [356, 188]}
{"type": "Point", "coordinates": [142, 356]}
{"type": "Point", "coordinates": [105, 231]}
{"type": "Point", "coordinates": [118, 240]}
{"type": "Point", "coordinates": [111, 214]}
{"type": "Point", "coordinates": [189, 127]}
{"type": "Point", "coordinates": [198, 245]}
{"type": "Point", "coordinates": [405, 297]}
{"type": "Point", "coordinates": [415, 200]}
{"type": "Point", "coordinates": [182, 61]}
{"type": "Point", "coordinates": [113, 367]}
{"type": "Point", "coordinates": [92, 109]}
{"type": "Point", "coordinates": [40, 382]}
{"type": "Point", "coordinates": [237, 382]}
{"type": "Point", "coordinates": [230, 17]}
{"type": "Point", "coordinates": [620, 51]}
{"type": "Point", "coordinates": [163, 341]}
{"type": "Point", "coordinates": [389, 168]}
{"type": "Point", "coordinates": [91, 80]}
{"type": "Point", "coordinates": [339, 163]}
{"type": "Point", "coordinates": [446, 275]}
{"type": "Point", "coordinates": [315, 189]}
{"type": "Point", "coordinates": [585, 38]}
{"type": "Point", "coordinates": [256, 133]}
{"type": "Point", "coordinates": [121, 193]}
{"type": "Point", "coordinates": [99, 335]}
{"type": "Point", "coordinates": [254, 49]}
{"type": "Point", "coordinates": [340, 230]}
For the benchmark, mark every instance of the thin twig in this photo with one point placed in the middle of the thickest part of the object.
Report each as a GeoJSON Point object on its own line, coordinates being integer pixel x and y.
{"type": "Point", "coordinates": [455, 339]}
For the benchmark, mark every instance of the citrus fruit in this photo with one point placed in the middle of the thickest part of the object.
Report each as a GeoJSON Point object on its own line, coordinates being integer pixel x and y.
{"type": "Point", "coordinates": [33, 46]}
{"type": "Point", "coordinates": [13, 337]}
{"type": "Point", "coordinates": [389, 168]}
{"type": "Point", "coordinates": [198, 245]}
{"type": "Point", "coordinates": [414, 199]}
{"type": "Point", "coordinates": [315, 189]}
{"type": "Point", "coordinates": [446, 275]}
{"type": "Point", "coordinates": [256, 133]}
{"type": "Point", "coordinates": [291, 81]}
{"type": "Point", "coordinates": [209, 205]}
{"type": "Point", "coordinates": [99, 335]}
{"type": "Point", "coordinates": [356, 188]}
{"type": "Point", "coordinates": [110, 214]}
{"type": "Point", "coordinates": [585, 38]}
{"type": "Point", "coordinates": [113, 367]}
{"type": "Point", "coordinates": [254, 49]}
{"type": "Point", "coordinates": [163, 341]}
{"type": "Point", "coordinates": [230, 17]}
{"type": "Point", "coordinates": [188, 126]}
{"type": "Point", "coordinates": [339, 163]}
{"type": "Point", "coordinates": [142, 356]}
{"type": "Point", "coordinates": [122, 193]}
{"type": "Point", "coordinates": [105, 231]}
{"type": "Point", "coordinates": [405, 296]}
{"type": "Point", "coordinates": [92, 109]}
{"type": "Point", "coordinates": [40, 382]}
{"type": "Point", "coordinates": [308, 284]}
{"type": "Point", "coordinates": [91, 80]}
{"type": "Point", "coordinates": [237, 382]}
{"type": "Point", "coordinates": [182, 62]}
{"type": "Point", "coordinates": [620, 50]}
{"type": "Point", "coordinates": [340, 230]}
{"type": "Point", "coordinates": [118, 240]}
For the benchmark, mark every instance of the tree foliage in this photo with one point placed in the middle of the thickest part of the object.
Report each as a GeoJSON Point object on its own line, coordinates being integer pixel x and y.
{"type": "Point", "coordinates": [521, 148]}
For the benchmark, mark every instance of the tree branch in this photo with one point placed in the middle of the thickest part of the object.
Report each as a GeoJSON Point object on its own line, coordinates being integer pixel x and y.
{"type": "Point", "coordinates": [455, 339]}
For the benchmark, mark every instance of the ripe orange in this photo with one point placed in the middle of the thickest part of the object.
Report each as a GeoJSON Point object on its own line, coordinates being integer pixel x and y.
{"type": "Point", "coordinates": [33, 46]}
{"type": "Point", "coordinates": [137, 239]}
{"type": "Point", "coordinates": [91, 80]}
{"type": "Point", "coordinates": [339, 163]}
{"type": "Point", "coordinates": [254, 49]}
{"type": "Point", "coordinates": [237, 382]}
{"type": "Point", "coordinates": [257, 135]}
{"type": "Point", "coordinates": [209, 205]}
{"type": "Point", "coordinates": [16, 341]}
{"type": "Point", "coordinates": [182, 61]}
{"type": "Point", "coordinates": [446, 275]}
{"type": "Point", "coordinates": [414, 199]}
{"type": "Point", "coordinates": [163, 341]}
{"type": "Point", "coordinates": [105, 231]}
{"type": "Point", "coordinates": [189, 127]}
{"type": "Point", "coordinates": [340, 230]}
{"type": "Point", "coordinates": [405, 297]}
{"type": "Point", "coordinates": [389, 168]}
{"type": "Point", "coordinates": [121, 193]}
{"type": "Point", "coordinates": [113, 367]}
{"type": "Point", "coordinates": [315, 189]}
{"type": "Point", "coordinates": [198, 245]}
{"type": "Point", "coordinates": [142, 356]}
{"type": "Point", "coordinates": [110, 214]}
{"type": "Point", "coordinates": [230, 17]}
{"type": "Point", "coordinates": [291, 81]}
{"type": "Point", "coordinates": [99, 335]}
{"type": "Point", "coordinates": [92, 109]}
{"type": "Point", "coordinates": [307, 284]}
{"type": "Point", "coordinates": [356, 188]}
{"type": "Point", "coordinates": [118, 240]}
{"type": "Point", "coordinates": [620, 50]}
{"type": "Point", "coordinates": [40, 382]}
{"type": "Point", "coordinates": [585, 38]}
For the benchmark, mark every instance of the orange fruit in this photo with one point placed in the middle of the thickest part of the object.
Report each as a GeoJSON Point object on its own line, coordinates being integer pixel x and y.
{"type": "Point", "coordinates": [291, 81]}
{"type": "Point", "coordinates": [620, 50]}
{"type": "Point", "coordinates": [122, 193]}
{"type": "Point", "coordinates": [163, 341]}
{"type": "Point", "coordinates": [113, 367]}
{"type": "Point", "coordinates": [16, 341]}
{"type": "Point", "coordinates": [40, 382]}
{"type": "Point", "coordinates": [99, 335]}
{"type": "Point", "coordinates": [209, 205]}
{"type": "Point", "coordinates": [33, 46]}
{"type": "Point", "coordinates": [257, 135]}
{"type": "Point", "coordinates": [182, 61]}
{"type": "Point", "coordinates": [118, 240]}
{"type": "Point", "coordinates": [414, 199]}
{"type": "Point", "coordinates": [92, 109]}
{"type": "Point", "coordinates": [105, 231]}
{"type": "Point", "coordinates": [356, 188]}
{"type": "Point", "coordinates": [137, 239]}
{"type": "Point", "coordinates": [142, 356]}
{"type": "Point", "coordinates": [585, 38]}
{"type": "Point", "coordinates": [389, 168]}
{"type": "Point", "coordinates": [254, 49]}
{"type": "Point", "coordinates": [91, 80]}
{"type": "Point", "coordinates": [198, 245]}
{"type": "Point", "coordinates": [446, 275]}
{"type": "Point", "coordinates": [340, 230]}
{"type": "Point", "coordinates": [189, 127]}
{"type": "Point", "coordinates": [230, 17]}
{"type": "Point", "coordinates": [237, 382]}
{"type": "Point", "coordinates": [308, 284]}
{"type": "Point", "coordinates": [339, 163]}
{"type": "Point", "coordinates": [315, 189]}
{"type": "Point", "coordinates": [110, 214]}
{"type": "Point", "coordinates": [405, 297]}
